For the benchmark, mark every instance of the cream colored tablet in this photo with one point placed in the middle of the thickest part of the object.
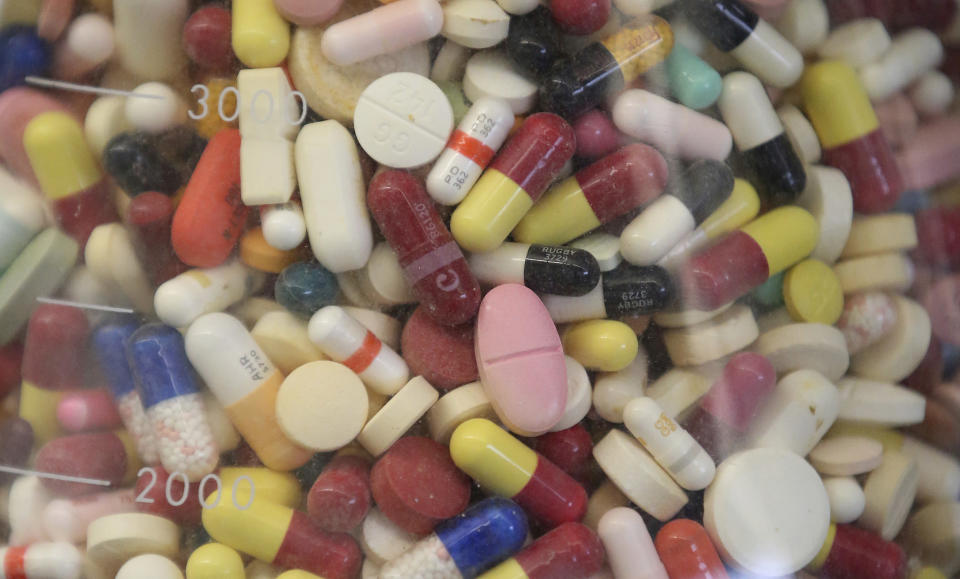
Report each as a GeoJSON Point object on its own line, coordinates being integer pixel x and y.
{"type": "Point", "coordinates": [491, 73]}
{"type": "Point", "coordinates": [456, 407]}
{"type": "Point", "coordinates": [369, 570]}
{"type": "Point", "coordinates": [398, 415]}
{"type": "Point", "coordinates": [679, 389]}
{"type": "Point", "coordinates": [474, 23]}
{"type": "Point", "coordinates": [767, 512]}
{"type": "Point", "coordinates": [847, 500]}
{"type": "Point", "coordinates": [114, 539]}
{"type": "Point", "coordinates": [105, 119]}
{"type": "Point", "coordinates": [775, 319]}
{"type": "Point", "coordinates": [283, 337]}
{"type": "Point", "coordinates": [805, 346]}
{"type": "Point", "coordinates": [450, 63]}
{"type": "Point", "coordinates": [382, 540]}
{"type": "Point", "coordinates": [858, 42]}
{"type": "Point", "coordinates": [149, 566]}
{"type": "Point", "coordinates": [638, 476]}
{"type": "Point", "coordinates": [883, 272]}
{"type": "Point", "coordinates": [939, 472]}
{"type": "Point", "coordinates": [871, 234]}
{"type": "Point", "coordinates": [725, 334]}
{"type": "Point", "coordinates": [846, 456]}
{"type": "Point", "coordinates": [684, 318]}
{"type": "Point", "coordinates": [28, 498]}
{"type": "Point", "coordinates": [603, 246]}
{"type": "Point", "coordinates": [879, 403]}
{"type": "Point", "coordinates": [386, 328]}
{"type": "Point", "coordinates": [260, 570]}
{"type": "Point", "coordinates": [613, 390]}
{"type": "Point", "coordinates": [894, 356]}
{"type": "Point", "coordinates": [890, 490]}
{"type": "Point", "coordinates": [800, 132]}
{"type": "Point", "coordinates": [250, 310]}
{"type": "Point", "coordinates": [322, 405]}
{"type": "Point", "coordinates": [607, 497]}
{"type": "Point", "coordinates": [579, 395]}
{"type": "Point", "coordinates": [382, 278]}
{"type": "Point", "coordinates": [828, 198]}
{"type": "Point", "coordinates": [350, 290]}
{"type": "Point", "coordinates": [110, 256]}
{"type": "Point", "coordinates": [797, 414]}
{"type": "Point", "coordinates": [933, 534]}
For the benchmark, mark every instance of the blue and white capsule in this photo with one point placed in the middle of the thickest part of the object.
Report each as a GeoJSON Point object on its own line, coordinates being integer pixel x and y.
{"type": "Point", "coordinates": [466, 545]}
{"type": "Point", "coordinates": [110, 344]}
{"type": "Point", "coordinates": [172, 400]}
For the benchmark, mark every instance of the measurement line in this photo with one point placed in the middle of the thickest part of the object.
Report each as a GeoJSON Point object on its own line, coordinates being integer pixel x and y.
{"type": "Point", "coordinates": [84, 306]}
{"type": "Point", "coordinates": [62, 85]}
{"type": "Point", "coordinates": [77, 479]}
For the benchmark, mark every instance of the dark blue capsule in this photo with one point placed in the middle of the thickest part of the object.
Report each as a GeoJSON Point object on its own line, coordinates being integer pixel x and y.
{"type": "Point", "coordinates": [110, 344]}
{"type": "Point", "coordinates": [483, 535]}
{"type": "Point", "coordinates": [22, 54]}
{"type": "Point", "coordinates": [305, 287]}
{"type": "Point", "coordinates": [160, 365]}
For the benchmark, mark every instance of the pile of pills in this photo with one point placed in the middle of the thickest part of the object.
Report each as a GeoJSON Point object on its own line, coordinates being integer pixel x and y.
{"type": "Point", "coordinates": [497, 289]}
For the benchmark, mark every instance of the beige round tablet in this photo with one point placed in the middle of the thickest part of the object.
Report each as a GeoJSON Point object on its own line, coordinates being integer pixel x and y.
{"type": "Point", "coordinates": [492, 73]}
{"type": "Point", "coordinates": [638, 476]}
{"type": "Point", "coordinates": [846, 455]}
{"type": "Point", "coordinates": [349, 284]}
{"type": "Point", "coordinates": [890, 490]}
{"type": "Point", "coordinates": [800, 132]}
{"type": "Point", "coordinates": [322, 405]}
{"type": "Point", "coordinates": [684, 318]}
{"type": "Point", "coordinates": [250, 310]}
{"type": "Point", "coordinates": [805, 346]}
{"type": "Point", "coordinates": [871, 234]}
{"type": "Point", "coordinates": [879, 403]}
{"type": "Point", "coordinates": [398, 415]}
{"type": "Point", "coordinates": [114, 539]}
{"type": "Point", "coordinates": [613, 390]}
{"type": "Point", "coordinates": [767, 511]}
{"type": "Point", "coordinates": [898, 353]}
{"type": "Point", "coordinates": [829, 199]}
{"type": "Point", "coordinates": [933, 534]}
{"type": "Point", "coordinates": [284, 338]}
{"type": "Point", "coordinates": [149, 566]}
{"type": "Point", "coordinates": [456, 407]}
{"type": "Point", "coordinates": [884, 272]}
{"type": "Point", "coordinates": [382, 540]}
{"type": "Point", "coordinates": [715, 338]}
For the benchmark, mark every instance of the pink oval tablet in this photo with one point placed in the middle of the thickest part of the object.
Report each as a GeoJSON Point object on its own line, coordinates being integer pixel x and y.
{"type": "Point", "coordinates": [520, 359]}
{"type": "Point", "coordinates": [307, 12]}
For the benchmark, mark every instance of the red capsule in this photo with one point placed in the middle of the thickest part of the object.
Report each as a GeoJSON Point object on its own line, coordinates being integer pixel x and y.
{"type": "Point", "coordinates": [596, 134]}
{"type": "Point", "coordinates": [854, 553]}
{"type": "Point", "coordinates": [869, 165]}
{"type": "Point", "coordinates": [206, 39]}
{"type": "Point", "coordinates": [570, 449]}
{"type": "Point", "coordinates": [580, 17]}
{"type": "Point", "coordinates": [432, 262]}
{"type": "Point", "coordinates": [340, 497]}
{"type": "Point", "coordinates": [938, 236]}
{"type": "Point", "coordinates": [150, 216]}
{"type": "Point", "coordinates": [11, 357]}
{"type": "Point", "coordinates": [100, 457]}
{"type": "Point", "coordinates": [686, 551]}
{"type": "Point", "coordinates": [87, 410]}
{"type": "Point", "coordinates": [570, 550]}
{"type": "Point", "coordinates": [211, 215]}
{"type": "Point", "coordinates": [53, 355]}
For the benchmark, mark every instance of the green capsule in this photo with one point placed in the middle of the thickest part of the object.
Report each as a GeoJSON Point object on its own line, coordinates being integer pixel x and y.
{"type": "Point", "coordinates": [694, 82]}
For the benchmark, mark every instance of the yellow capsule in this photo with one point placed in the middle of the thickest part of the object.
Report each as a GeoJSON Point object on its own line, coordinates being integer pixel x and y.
{"type": "Point", "coordinates": [562, 214]}
{"type": "Point", "coordinates": [215, 561]}
{"type": "Point", "coordinates": [59, 155]}
{"type": "Point", "coordinates": [258, 254]}
{"type": "Point", "coordinates": [639, 45]}
{"type": "Point", "coordinates": [500, 463]}
{"type": "Point", "coordinates": [257, 530]}
{"type": "Point", "coordinates": [738, 210]}
{"type": "Point", "coordinates": [836, 103]}
{"type": "Point", "coordinates": [812, 293]}
{"type": "Point", "coordinates": [492, 208]}
{"type": "Point", "coordinates": [133, 458]}
{"type": "Point", "coordinates": [824, 551]}
{"type": "Point", "coordinates": [786, 235]}
{"type": "Point", "coordinates": [38, 406]}
{"type": "Point", "coordinates": [298, 574]}
{"type": "Point", "coordinates": [509, 569]}
{"type": "Point", "coordinates": [260, 36]}
{"type": "Point", "coordinates": [928, 573]}
{"type": "Point", "coordinates": [605, 345]}
{"type": "Point", "coordinates": [281, 488]}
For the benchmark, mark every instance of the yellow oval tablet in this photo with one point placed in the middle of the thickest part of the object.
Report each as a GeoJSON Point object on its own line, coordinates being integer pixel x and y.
{"type": "Point", "coordinates": [812, 293]}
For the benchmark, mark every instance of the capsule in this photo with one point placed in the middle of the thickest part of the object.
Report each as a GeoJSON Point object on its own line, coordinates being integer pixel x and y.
{"type": "Point", "coordinates": [687, 552]}
{"type": "Point", "coordinates": [597, 194]}
{"type": "Point", "coordinates": [850, 551]}
{"type": "Point", "coordinates": [602, 68]}
{"type": "Point", "coordinates": [214, 561]}
{"type": "Point", "coordinates": [149, 216]}
{"type": "Point", "coordinates": [86, 410]}
{"type": "Point", "coordinates": [172, 400]}
{"type": "Point", "coordinates": [466, 545]}
{"type": "Point", "coordinates": [340, 497]}
{"type": "Point", "coordinates": [68, 174]}
{"type": "Point", "coordinates": [533, 41]}
{"type": "Point", "coordinates": [504, 466]}
{"type": "Point", "coordinates": [669, 444]}
{"type": "Point", "coordinates": [277, 534]}
{"type": "Point", "coordinates": [723, 415]}
{"type": "Point", "coordinates": [147, 36]}
{"type": "Point", "coordinates": [470, 149]}
{"type": "Point", "coordinates": [361, 37]}
{"type": "Point", "coordinates": [42, 561]}
{"type": "Point", "coordinates": [52, 362]}
{"type": "Point", "coordinates": [689, 200]}
{"type": "Point", "coordinates": [432, 263]}
{"type": "Point", "coordinates": [570, 550]}
{"type": "Point", "coordinates": [629, 546]}
{"type": "Point", "coordinates": [845, 122]}
{"type": "Point", "coordinates": [763, 144]}
{"type": "Point", "coordinates": [604, 345]}
{"type": "Point", "coordinates": [191, 294]}
{"type": "Point", "coordinates": [695, 83]}
{"type": "Point", "coordinates": [564, 271]}
{"type": "Point", "coordinates": [518, 176]}
{"type": "Point", "coordinates": [260, 37]}
{"type": "Point", "coordinates": [283, 225]}
{"type": "Point", "coordinates": [735, 28]}
{"type": "Point", "coordinates": [245, 383]}
{"type": "Point", "coordinates": [746, 258]}
{"type": "Point", "coordinates": [626, 291]}
{"type": "Point", "coordinates": [101, 456]}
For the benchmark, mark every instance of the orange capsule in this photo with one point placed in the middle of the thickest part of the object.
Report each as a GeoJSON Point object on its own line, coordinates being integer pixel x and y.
{"type": "Point", "coordinates": [211, 215]}
{"type": "Point", "coordinates": [686, 551]}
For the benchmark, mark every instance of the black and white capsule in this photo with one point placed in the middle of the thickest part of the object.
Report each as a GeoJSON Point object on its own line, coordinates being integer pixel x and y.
{"type": "Point", "coordinates": [626, 291]}
{"type": "Point", "coordinates": [565, 271]}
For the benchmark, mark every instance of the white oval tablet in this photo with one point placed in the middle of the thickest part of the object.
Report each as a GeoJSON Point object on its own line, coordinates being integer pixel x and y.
{"type": "Point", "coordinates": [403, 120]}
{"type": "Point", "coordinates": [767, 511]}
{"type": "Point", "coordinates": [322, 405]}
{"type": "Point", "coordinates": [157, 109]}
{"type": "Point", "coordinates": [890, 490]}
{"type": "Point", "coordinates": [846, 456]}
{"type": "Point", "coordinates": [149, 566]}
{"type": "Point", "coordinates": [491, 73]}
{"type": "Point", "coordinates": [879, 403]}
{"type": "Point", "coordinates": [846, 499]}
{"type": "Point", "coordinates": [805, 346]}
{"type": "Point", "coordinates": [474, 23]}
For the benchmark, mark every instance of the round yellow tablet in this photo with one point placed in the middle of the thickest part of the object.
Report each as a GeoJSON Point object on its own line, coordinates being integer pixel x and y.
{"type": "Point", "coordinates": [812, 293]}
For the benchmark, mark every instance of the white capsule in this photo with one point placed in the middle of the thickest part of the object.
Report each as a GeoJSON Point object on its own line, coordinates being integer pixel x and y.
{"type": "Point", "coordinates": [858, 42]}
{"type": "Point", "coordinates": [478, 136]}
{"type": "Point", "coordinates": [193, 293]}
{"type": "Point", "coordinates": [911, 54]}
{"type": "Point", "coordinates": [745, 107]}
{"type": "Point", "coordinates": [87, 44]}
{"type": "Point", "coordinates": [345, 340]}
{"type": "Point", "coordinates": [383, 30]}
{"type": "Point", "coordinates": [283, 225]}
{"type": "Point", "coordinates": [669, 444]}
{"type": "Point", "coordinates": [932, 94]}
{"type": "Point", "coordinates": [59, 560]}
{"type": "Point", "coordinates": [805, 24]}
{"type": "Point", "coordinates": [767, 54]}
{"type": "Point", "coordinates": [148, 36]}
{"type": "Point", "coordinates": [656, 231]}
{"type": "Point", "coordinates": [629, 547]}
{"type": "Point", "coordinates": [111, 257]}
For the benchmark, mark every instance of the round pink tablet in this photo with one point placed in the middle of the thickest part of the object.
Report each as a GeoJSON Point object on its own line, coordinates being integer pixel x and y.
{"type": "Point", "coordinates": [444, 355]}
{"type": "Point", "coordinates": [520, 359]}
{"type": "Point", "coordinates": [307, 12]}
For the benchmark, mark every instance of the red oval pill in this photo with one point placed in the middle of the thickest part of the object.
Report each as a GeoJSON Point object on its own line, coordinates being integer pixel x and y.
{"type": "Point", "coordinates": [99, 456]}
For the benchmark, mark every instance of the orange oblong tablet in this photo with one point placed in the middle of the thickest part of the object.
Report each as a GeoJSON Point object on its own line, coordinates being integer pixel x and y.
{"type": "Point", "coordinates": [211, 215]}
{"type": "Point", "coordinates": [520, 359]}
{"type": "Point", "coordinates": [686, 551]}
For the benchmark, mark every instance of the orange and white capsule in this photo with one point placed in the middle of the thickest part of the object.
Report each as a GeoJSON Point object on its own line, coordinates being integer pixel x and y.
{"type": "Point", "coordinates": [345, 340]}
{"type": "Point", "coordinates": [470, 149]}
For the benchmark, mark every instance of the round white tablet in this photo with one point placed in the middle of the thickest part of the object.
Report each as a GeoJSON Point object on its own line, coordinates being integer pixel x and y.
{"type": "Point", "coordinates": [403, 120]}
{"type": "Point", "coordinates": [491, 73]}
{"type": "Point", "coordinates": [846, 455]}
{"type": "Point", "coordinates": [156, 108]}
{"type": "Point", "coordinates": [767, 511]}
{"type": "Point", "coordinates": [846, 499]}
{"type": "Point", "coordinates": [149, 566]}
{"type": "Point", "coordinates": [456, 407]}
{"type": "Point", "coordinates": [322, 405]}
